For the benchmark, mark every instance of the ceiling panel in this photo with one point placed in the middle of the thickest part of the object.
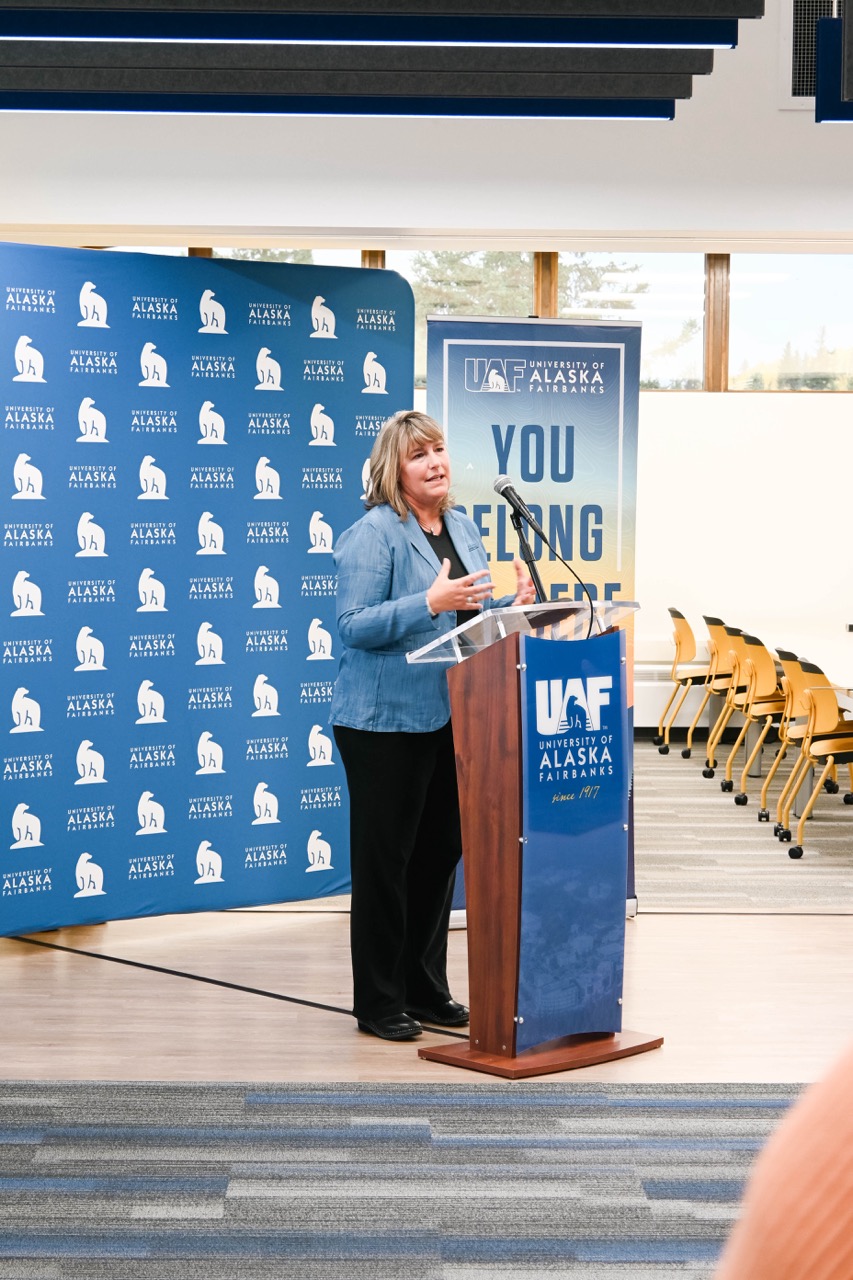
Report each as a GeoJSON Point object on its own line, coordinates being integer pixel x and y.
{"type": "Point", "coordinates": [526, 57]}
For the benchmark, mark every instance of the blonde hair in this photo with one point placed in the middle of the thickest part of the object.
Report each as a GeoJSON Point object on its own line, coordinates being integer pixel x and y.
{"type": "Point", "coordinates": [397, 436]}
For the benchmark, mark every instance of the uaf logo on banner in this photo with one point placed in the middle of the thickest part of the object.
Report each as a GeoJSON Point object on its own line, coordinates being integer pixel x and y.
{"type": "Point", "coordinates": [571, 704]}
{"type": "Point", "coordinates": [493, 374]}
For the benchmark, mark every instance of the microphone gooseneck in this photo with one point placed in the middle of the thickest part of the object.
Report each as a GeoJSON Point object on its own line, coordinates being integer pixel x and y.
{"type": "Point", "coordinates": [504, 486]}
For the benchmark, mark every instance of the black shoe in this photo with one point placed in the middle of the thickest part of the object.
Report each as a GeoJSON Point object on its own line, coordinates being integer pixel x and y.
{"type": "Point", "coordinates": [397, 1026]}
{"type": "Point", "coordinates": [447, 1013]}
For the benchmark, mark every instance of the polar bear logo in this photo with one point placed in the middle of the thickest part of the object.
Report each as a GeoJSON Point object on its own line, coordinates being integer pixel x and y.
{"type": "Point", "coordinates": [28, 479]}
{"type": "Point", "coordinates": [322, 426]}
{"type": "Point", "coordinates": [93, 308]}
{"type": "Point", "coordinates": [26, 828]}
{"type": "Point", "coordinates": [320, 534]}
{"type": "Point", "coordinates": [212, 314]}
{"type": "Point", "coordinates": [90, 764]}
{"type": "Point", "coordinates": [92, 423]}
{"type": "Point", "coordinates": [151, 704]}
{"type": "Point", "coordinates": [374, 376]}
{"type": "Point", "coordinates": [28, 361]}
{"type": "Point", "coordinates": [319, 853]}
{"type": "Point", "coordinates": [151, 815]}
{"type": "Point", "coordinates": [268, 371]}
{"type": "Point", "coordinates": [90, 651]}
{"type": "Point", "coordinates": [89, 876]}
{"type": "Point", "coordinates": [265, 697]}
{"type": "Point", "coordinates": [27, 597]}
{"type": "Point", "coordinates": [26, 713]}
{"type": "Point", "coordinates": [266, 589]}
{"type": "Point", "coordinates": [211, 536]}
{"type": "Point", "coordinates": [210, 754]}
{"type": "Point", "coordinates": [265, 805]}
{"type": "Point", "coordinates": [211, 425]}
{"type": "Point", "coordinates": [153, 366]}
{"type": "Point", "coordinates": [319, 747]}
{"type": "Point", "coordinates": [319, 642]}
{"type": "Point", "coordinates": [152, 480]}
{"type": "Point", "coordinates": [209, 646]}
{"type": "Point", "coordinates": [209, 864]}
{"type": "Point", "coordinates": [91, 537]}
{"type": "Point", "coordinates": [152, 593]}
{"type": "Point", "coordinates": [496, 381]}
{"type": "Point", "coordinates": [267, 481]}
{"type": "Point", "coordinates": [322, 319]}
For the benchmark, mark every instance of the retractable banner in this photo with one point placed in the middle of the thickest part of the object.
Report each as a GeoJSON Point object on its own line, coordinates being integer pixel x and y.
{"type": "Point", "coordinates": [554, 406]}
{"type": "Point", "coordinates": [183, 439]}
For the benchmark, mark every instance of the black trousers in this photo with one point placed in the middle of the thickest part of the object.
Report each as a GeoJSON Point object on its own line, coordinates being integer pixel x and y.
{"type": "Point", "coordinates": [405, 842]}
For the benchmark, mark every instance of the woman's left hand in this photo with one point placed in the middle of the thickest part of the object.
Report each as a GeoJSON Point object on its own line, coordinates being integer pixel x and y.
{"type": "Point", "coordinates": [525, 592]}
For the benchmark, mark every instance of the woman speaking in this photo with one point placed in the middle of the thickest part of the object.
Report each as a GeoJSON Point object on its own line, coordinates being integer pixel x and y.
{"type": "Point", "coordinates": [409, 570]}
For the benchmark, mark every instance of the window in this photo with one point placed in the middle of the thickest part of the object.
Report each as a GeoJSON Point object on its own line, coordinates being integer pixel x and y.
{"type": "Point", "coordinates": [663, 291]}
{"type": "Point", "coordinates": [317, 257]}
{"type": "Point", "coordinates": [168, 250]}
{"type": "Point", "coordinates": [790, 326]}
{"type": "Point", "coordinates": [463, 282]}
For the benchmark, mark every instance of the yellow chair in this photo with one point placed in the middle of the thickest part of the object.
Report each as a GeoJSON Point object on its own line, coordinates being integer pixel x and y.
{"type": "Point", "coordinates": [824, 747]}
{"type": "Point", "coordinates": [719, 674]}
{"type": "Point", "coordinates": [683, 676]}
{"type": "Point", "coordinates": [732, 688]}
{"type": "Point", "coordinates": [764, 699]}
{"type": "Point", "coordinates": [797, 676]}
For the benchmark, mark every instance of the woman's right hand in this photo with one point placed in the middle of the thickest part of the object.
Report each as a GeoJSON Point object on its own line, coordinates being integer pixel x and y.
{"type": "Point", "coordinates": [469, 592]}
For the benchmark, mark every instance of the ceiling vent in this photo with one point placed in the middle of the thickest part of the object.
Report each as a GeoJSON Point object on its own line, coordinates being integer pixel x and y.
{"type": "Point", "coordinates": [800, 39]}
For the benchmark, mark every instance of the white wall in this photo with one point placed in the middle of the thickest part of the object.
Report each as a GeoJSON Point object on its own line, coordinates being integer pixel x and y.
{"type": "Point", "coordinates": [731, 170]}
{"type": "Point", "coordinates": [744, 514]}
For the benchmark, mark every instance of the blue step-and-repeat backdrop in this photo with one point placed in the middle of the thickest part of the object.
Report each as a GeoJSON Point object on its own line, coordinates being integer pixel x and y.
{"type": "Point", "coordinates": [183, 440]}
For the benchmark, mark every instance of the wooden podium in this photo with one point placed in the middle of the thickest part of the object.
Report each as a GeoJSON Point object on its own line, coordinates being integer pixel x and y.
{"type": "Point", "coordinates": [504, 854]}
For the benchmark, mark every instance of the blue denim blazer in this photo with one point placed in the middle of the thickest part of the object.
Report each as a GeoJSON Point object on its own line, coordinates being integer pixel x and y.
{"type": "Point", "coordinates": [385, 568]}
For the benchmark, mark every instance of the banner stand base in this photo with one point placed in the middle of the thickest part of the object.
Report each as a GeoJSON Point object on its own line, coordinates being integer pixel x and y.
{"type": "Point", "coordinates": [565, 1054]}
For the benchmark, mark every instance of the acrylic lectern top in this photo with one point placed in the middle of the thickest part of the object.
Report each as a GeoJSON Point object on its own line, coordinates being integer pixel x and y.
{"type": "Point", "coordinates": [559, 620]}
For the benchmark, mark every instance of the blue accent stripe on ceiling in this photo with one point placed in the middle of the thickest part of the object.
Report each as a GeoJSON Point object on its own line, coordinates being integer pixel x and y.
{"type": "Point", "coordinates": [830, 107]}
{"type": "Point", "coordinates": [241, 104]}
{"type": "Point", "coordinates": [341, 28]}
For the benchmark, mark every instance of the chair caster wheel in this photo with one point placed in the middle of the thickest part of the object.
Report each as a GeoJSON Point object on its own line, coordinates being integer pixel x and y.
{"type": "Point", "coordinates": [848, 797]}
{"type": "Point", "coordinates": [777, 827]}
{"type": "Point", "coordinates": [685, 755]}
{"type": "Point", "coordinates": [741, 798]}
{"type": "Point", "coordinates": [664, 750]}
{"type": "Point", "coordinates": [763, 815]}
{"type": "Point", "coordinates": [830, 787]}
{"type": "Point", "coordinates": [795, 851]}
{"type": "Point", "coordinates": [785, 835]}
{"type": "Point", "coordinates": [657, 740]}
{"type": "Point", "coordinates": [707, 773]}
{"type": "Point", "coordinates": [727, 785]}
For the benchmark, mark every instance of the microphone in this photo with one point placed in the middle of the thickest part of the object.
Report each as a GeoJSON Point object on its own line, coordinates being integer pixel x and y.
{"type": "Point", "coordinates": [504, 486]}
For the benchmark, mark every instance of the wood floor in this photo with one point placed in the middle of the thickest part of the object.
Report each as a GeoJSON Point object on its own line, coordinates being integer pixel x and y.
{"type": "Point", "coordinates": [263, 995]}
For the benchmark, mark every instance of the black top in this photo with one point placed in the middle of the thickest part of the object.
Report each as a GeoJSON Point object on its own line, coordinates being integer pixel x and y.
{"type": "Point", "coordinates": [442, 545]}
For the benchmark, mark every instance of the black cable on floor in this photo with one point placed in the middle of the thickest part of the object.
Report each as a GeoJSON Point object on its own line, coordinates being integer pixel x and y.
{"type": "Point", "coordinates": [197, 977]}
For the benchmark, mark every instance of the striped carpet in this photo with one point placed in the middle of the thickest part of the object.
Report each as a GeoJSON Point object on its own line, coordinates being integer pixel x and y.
{"type": "Point", "coordinates": [237, 1182]}
{"type": "Point", "coordinates": [695, 850]}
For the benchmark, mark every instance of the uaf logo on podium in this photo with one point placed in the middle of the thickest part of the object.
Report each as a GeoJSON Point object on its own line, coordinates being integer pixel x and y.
{"type": "Point", "coordinates": [576, 735]}
{"type": "Point", "coordinates": [565, 704]}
